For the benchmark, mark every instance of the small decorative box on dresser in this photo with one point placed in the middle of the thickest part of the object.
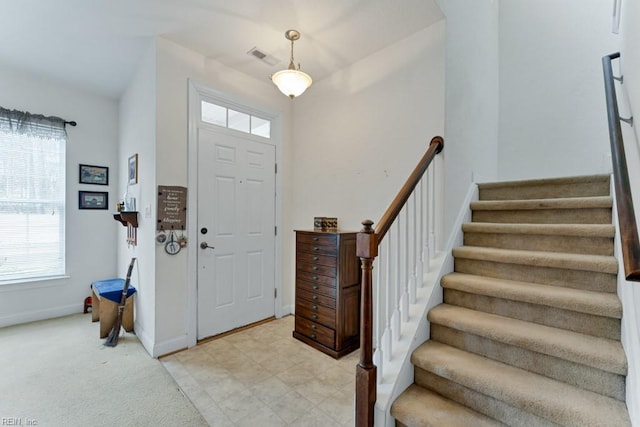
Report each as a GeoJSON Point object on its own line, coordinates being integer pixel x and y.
{"type": "Point", "coordinates": [327, 291]}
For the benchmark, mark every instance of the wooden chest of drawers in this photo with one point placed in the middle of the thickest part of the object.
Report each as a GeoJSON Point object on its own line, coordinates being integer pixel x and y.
{"type": "Point", "coordinates": [327, 291]}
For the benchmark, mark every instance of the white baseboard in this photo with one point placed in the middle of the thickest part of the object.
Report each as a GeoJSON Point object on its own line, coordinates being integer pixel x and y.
{"type": "Point", "coordinates": [143, 337]}
{"type": "Point", "coordinates": [33, 316]}
{"type": "Point", "coordinates": [287, 310]}
{"type": "Point", "coordinates": [170, 345]}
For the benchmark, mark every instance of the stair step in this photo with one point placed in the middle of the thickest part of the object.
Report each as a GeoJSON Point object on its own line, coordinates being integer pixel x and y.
{"type": "Point", "coordinates": [575, 210]}
{"type": "Point", "coordinates": [582, 186]}
{"type": "Point", "coordinates": [588, 272]}
{"type": "Point", "coordinates": [596, 303]}
{"type": "Point", "coordinates": [586, 312]}
{"type": "Point", "coordinates": [417, 406]}
{"type": "Point", "coordinates": [485, 404]}
{"type": "Point", "coordinates": [509, 350]}
{"type": "Point", "coordinates": [601, 353]}
{"type": "Point", "coordinates": [595, 239]}
{"type": "Point", "coordinates": [543, 397]}
{"type": "Point", "coordinates": [586, 377]}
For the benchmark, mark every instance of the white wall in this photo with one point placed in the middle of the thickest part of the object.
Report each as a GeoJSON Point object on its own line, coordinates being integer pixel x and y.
{"type": "Point", "coordinates": [359, 133]}
{"type": "Point", "coordinates": [326, 122]}
{"type": "Point", "coordinates": [471, 120]}
{"type": "Point", "coordinates": [175, 65]}
{"type": "Point", "coordinates": [138, 135]}
{"type": "Point", "coordinates": [90, 234]}
{"type": "Point", "coordinates": [629, 102]}
{"type": "Point", "coordinates": [552, 109]}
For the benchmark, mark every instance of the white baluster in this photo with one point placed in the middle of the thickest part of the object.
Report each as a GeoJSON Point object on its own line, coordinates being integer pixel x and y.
{"type": "Point", "coordinates": [432, 213]}
{"type": "Point", "coordinates": [420, 235]}
{"type": "Point", "coordinates": [405, 279]}
{"type": "Point", "coordinates": [378, 359]}
{"type": "Point", "coordinates": [414, 250]}
{"type": "Point", "coordinates": [388, 302]}
{"type": "Point", "coordinates": [396, 318]}
{"type": "Point", "coordinates": [427, 208]}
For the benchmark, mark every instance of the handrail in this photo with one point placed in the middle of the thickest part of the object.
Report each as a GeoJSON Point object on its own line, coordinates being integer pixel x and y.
{"type": "Point", "coordinates": [435, 147]}
{"type": "Point", "coordinates": [367, 244]}
{"type": "Point", "coordinates": [626, 214]}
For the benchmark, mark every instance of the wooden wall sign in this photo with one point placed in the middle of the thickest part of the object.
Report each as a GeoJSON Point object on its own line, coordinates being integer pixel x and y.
{"type": "Point", "coordinates": [172, 207]}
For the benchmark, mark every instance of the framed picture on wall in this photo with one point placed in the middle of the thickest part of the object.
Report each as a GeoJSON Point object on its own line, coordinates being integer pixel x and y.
{"type": "Point", "coordinates": [98, 175]}
{"type": "Point", "coordinates": [133, 169]}
{"type": "Point", "coordinates": [93, 200]}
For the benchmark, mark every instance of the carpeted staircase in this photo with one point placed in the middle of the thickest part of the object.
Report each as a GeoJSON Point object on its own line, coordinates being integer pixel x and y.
{"type": "Point", "coordinates": [529, 331]}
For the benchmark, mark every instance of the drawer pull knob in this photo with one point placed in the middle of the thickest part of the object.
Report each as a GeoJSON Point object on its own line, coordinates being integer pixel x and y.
{"type": "Point", "coordinates": [315, 258]}
{"type": "Point", "coordinates": [315, 287]}
{"type": "Point", "coordinates": [315, 248]}
{"type": "Point", "coordinates": [315, 307]}
{"type": "Point", "coordinates": [315, 267]}
{"type": "Point", "coordinates": [315, 239]}
{"type": "Point", "coordinates": [313, 336]}
{"type": "Point", "coordinates": [313, 326]}
{"type": "Point", "coordinates": [315, 297]}
{"type": "Point", "coordinates": [314, 316]}
{"type": "Point", "coordinates": [314, 277]}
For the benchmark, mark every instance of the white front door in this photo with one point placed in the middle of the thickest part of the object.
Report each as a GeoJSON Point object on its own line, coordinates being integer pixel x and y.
{"type": "Point", "coordinates": [236, 231]}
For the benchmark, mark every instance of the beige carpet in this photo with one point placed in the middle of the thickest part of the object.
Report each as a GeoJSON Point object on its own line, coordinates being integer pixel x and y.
{"type": "Point", "coordinates": [58, 373]}
{"type": "Point", "coordinates": [529, 331]}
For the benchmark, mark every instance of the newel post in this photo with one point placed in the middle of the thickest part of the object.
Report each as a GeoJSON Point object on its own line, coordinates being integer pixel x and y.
{"type": "Point", "coordinates": [367, 250]}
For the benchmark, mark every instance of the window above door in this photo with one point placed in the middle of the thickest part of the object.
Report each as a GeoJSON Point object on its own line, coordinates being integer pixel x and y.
{"type": "Point", "coordinates": [222, 116]}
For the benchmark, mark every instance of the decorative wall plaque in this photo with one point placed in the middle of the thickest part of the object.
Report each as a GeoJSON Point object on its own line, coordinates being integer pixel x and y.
{"type": "Point", "coordinates": [172, 208]}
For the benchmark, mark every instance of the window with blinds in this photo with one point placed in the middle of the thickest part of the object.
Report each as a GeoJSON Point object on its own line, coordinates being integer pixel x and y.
{"type": "Point", "coordinates": [32, 197]}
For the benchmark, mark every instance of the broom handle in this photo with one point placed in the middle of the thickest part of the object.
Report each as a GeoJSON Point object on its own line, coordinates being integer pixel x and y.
{"type": "Point", "coordinates": [125, 289]}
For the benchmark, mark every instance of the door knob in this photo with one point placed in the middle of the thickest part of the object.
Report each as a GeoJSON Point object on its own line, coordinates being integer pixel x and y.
{"type": "Point", "coordinates": [204, 245]}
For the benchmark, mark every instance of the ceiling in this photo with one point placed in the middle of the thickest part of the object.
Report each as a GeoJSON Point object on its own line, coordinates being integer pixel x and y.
{"type": "Point", "coordinates": [96, 44]}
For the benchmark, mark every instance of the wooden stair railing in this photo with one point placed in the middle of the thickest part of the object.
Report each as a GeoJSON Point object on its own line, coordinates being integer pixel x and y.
{"type": "Point", "coordinates": [368, 242]}
{"type": "Point", "coordinates": [624, 203]}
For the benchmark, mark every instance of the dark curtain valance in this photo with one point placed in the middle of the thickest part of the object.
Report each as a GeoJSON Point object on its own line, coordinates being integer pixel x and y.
{"type": "Point", "coordinates": [35, 125]}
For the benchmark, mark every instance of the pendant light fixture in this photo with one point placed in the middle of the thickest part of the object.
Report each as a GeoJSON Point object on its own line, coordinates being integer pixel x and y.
{"type": "Point", "coordinates": [292, 82]}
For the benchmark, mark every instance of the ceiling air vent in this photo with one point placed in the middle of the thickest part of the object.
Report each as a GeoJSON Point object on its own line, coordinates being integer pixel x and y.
{"type": "Point", "coordinates": [263, 56]}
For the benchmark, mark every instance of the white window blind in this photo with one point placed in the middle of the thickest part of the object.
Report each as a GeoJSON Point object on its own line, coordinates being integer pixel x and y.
{"type": "Point", "coordinates": [32, 196]}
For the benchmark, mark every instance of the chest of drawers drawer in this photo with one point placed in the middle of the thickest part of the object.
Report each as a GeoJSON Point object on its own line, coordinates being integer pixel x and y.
{"type": "Point", "coordinates": [315, 278]}
{"type": "Point", "coordinates": [316, 259]}
{"type": "Point", "coordinates": [317, 249]}
{"type": "Point", "coordinates": [315, 296]}
{"type": "Point", "coordinates": [316, 332]}
{"type": "Point", "coordinates": [316, 312]}
{"type": "Point", "coordinates": [317, 269]}
{"type": "Point", "coordinates": [313, 238]}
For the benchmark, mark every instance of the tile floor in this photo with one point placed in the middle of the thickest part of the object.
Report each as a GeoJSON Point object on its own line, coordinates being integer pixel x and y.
{"type": "Point", "coordinates": [262, 376]}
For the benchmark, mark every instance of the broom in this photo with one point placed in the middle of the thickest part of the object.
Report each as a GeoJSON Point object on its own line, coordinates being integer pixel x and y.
{"type": "Point", "coordinates": [112, 339]}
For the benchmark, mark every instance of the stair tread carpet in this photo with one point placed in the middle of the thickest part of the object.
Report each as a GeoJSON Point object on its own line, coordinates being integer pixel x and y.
{"type": "Point", "coordinates": [547, 398]}
{"type": "Point", "coordinates": [442, 411]}
{"type": "Point", "coordinates": [595, 263]}
{"type": "Point", "coordinates": [542, 204]}
{"type": "Point", "coordinates": [601, 353]}
{"type": "Point", "coordinates": [597, 303]}
{"type": "Point", "coordinates": [580, 230]}
{"type": "Point", "coordinates": [545, 181]}
{"type": "Point", "coordinates": [581, 186]}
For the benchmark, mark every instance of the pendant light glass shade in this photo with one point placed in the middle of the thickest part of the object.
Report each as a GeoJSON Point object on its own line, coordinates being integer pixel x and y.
{"type": "Point", "coordinates": [292, 82]}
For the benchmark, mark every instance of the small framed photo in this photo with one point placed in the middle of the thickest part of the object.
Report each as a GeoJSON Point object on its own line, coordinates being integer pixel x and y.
{"type": "Point", "coordinates": [93, 200]}
{"type": "Point", "coordinates": [98, 175]}
{"type": "Point", "coordinates": [133, 169]}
